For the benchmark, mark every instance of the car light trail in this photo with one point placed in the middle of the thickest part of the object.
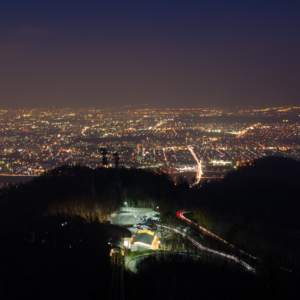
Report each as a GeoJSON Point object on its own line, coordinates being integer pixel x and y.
{"type": "Point", "coordinates": [199, 170]}
{"type": "Point", "coordinates": [199, 246]}
{"type": "Point", "coordinates": [165, 156]}
{"type": "Point", "coordinates": [209, 233]}
{"type": "Point", "coordinates": [84, 130]}
{"type": "Point", "coordinates": [174, 131]}
{"type": "Point", "coordinates": [158, 124]}
{"type": "Point", "coordinates": [244, 131]}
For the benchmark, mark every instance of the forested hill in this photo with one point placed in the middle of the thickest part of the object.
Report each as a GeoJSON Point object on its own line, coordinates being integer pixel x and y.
{"type": "Point", "coordinates": [86, 193]}
{"type": "Point", "coordinates": [270, 178]}
{"type": "Point", "coordinates": [272, 168]}
{"type": "Point", "coordinates": [268, 190]}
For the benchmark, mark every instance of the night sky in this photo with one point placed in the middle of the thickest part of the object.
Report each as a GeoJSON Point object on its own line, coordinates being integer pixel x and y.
{"type": "Point", "coordinates": [164, 53]}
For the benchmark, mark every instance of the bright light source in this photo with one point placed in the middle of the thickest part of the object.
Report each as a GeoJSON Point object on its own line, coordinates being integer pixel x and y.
{"type": "Point", "coordinates": [126, 243]}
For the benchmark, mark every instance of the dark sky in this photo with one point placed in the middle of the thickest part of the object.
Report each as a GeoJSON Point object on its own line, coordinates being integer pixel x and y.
{"type": "Point", "coordinates": [200, 53]}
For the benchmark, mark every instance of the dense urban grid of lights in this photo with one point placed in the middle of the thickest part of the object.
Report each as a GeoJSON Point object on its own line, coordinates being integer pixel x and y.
{"type": "Point", "coordinates": [205, 142]}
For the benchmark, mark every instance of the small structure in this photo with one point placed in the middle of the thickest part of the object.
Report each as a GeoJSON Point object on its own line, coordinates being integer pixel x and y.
{"type": "Point", "coordinates": [145, 239]}
{"type": "Point", "coordinates": [127, 242]}
{"type": "Point", "coordinates": [117, 250]}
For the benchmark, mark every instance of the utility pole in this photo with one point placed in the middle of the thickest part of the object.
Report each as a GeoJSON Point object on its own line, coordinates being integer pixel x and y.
{"type": "Point", "coordinates": [104, 152]}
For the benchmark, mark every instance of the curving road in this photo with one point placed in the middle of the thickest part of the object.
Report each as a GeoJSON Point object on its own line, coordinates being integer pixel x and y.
{"type": "Point", "coordinates": [209, 233]}
{"type": "Point", "coordinates": [201, 247]}
{"type": "Point", "coordinates": [131, 264]}
{"type": "Point", "coordinates": [199, 170]}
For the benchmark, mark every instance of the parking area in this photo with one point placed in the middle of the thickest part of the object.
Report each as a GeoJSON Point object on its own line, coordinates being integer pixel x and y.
{"type": "Point", "coordinates": [135, 219]}
{"type": "Point", "coordinates": [128, 215]}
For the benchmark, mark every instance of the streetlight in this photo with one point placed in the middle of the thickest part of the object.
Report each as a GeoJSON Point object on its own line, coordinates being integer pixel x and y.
{"type": "Point", "coordinates": [125, 203]}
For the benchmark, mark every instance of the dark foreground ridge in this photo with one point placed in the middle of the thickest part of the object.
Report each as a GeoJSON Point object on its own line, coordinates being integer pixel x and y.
{"type": "Point", "coordinates": [54, 234]}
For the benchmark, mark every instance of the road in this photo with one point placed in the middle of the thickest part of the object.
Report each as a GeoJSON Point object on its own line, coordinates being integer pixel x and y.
{"type": "Point", "coordinates": [131, 264]}
{"type": "Point", "coordinates": [180, 215]}
{"type": "Point", "coordinates": [199, 170]}
{"type": "Point", "coordinates": [201, 247]}
{"type": "Point", "coordinates": [244, 131]}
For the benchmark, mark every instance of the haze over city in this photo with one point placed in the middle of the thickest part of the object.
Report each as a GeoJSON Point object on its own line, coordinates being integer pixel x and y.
{"type": "Point", "coordinates": [164, 53]}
